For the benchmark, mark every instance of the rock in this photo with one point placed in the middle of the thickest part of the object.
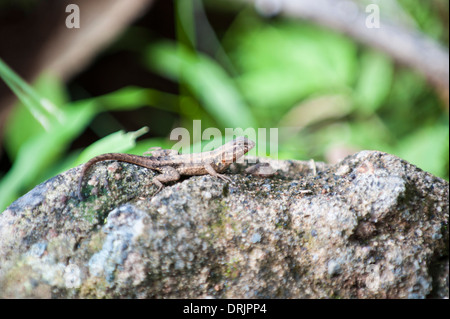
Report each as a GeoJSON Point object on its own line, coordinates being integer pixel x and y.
{"type": "Point", "coordinates": [371, 226]}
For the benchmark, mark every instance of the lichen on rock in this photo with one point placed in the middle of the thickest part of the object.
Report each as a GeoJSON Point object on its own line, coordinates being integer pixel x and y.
{"type": "Point", "coordinates": [371, 226]}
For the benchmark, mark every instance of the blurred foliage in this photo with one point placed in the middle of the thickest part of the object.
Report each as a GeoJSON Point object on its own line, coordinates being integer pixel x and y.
{"type": "Point", "coordinates": [320, 89]}
{"type": "Point", "coordinates": [41, 129]}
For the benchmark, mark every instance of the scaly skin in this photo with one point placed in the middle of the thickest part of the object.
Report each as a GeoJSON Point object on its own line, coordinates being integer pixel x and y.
{"type": "Point", "coordinates": [172, 165]}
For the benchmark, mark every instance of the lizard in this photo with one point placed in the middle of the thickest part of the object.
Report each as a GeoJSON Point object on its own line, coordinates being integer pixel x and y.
{"type": "Point", "coordinates": [172, 165]}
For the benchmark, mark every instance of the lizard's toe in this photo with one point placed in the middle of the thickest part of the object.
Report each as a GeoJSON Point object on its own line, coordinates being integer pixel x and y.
{"type": "Point", "coordinates": [224, 178]}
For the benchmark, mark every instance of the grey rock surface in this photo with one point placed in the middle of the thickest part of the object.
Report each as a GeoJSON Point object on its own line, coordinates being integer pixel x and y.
{"type": "Point", "coordinates": [371, 226]}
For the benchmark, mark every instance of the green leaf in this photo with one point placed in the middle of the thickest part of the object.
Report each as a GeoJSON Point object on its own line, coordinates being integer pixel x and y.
{"type": "Point", "coordinates": [52, 88]}
{"type": "Point", "coordinates": [41, 151]}
{"type": "Point", "coordinates": [130, 97]}
{"type": "Point", "coordinates": [28, 117]}
{"type": "Point", "coordinates": [42, 108]}
{"type": "Point", "coordinates": [116, 142]}
{"type": "Point", "coordinates": [282, 63]}
{"type": "Point", "coordinates": [374, 82]}
{"type": "Point", "coordinates": [206, 80]}
{"type": "Point", "coordinates": [427, 148]}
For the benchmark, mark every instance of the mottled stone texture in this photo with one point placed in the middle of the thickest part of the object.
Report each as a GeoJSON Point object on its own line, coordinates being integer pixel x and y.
{"type": "Point", "coordinates": [372, 226]}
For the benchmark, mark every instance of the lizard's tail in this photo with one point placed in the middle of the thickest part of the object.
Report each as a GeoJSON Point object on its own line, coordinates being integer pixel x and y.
{"type": "Point", "coordinates": [92, 161]}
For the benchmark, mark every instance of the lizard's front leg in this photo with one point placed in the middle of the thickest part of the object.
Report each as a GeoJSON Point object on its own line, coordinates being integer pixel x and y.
{"type": "Point", "coordinates": [212, 171]}
{"type": "Point", "coordinates": [168, 174]}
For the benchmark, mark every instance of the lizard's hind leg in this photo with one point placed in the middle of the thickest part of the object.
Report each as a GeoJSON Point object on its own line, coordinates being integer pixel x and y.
{"type": "Point", "coordinates": [168, 174]}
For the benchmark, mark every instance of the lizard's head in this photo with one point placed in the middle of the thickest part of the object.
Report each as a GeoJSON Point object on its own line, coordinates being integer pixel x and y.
{"type": "Point", "coordinates": [242, 145]}
{"type": "Point", "coordinates": [233, 150]}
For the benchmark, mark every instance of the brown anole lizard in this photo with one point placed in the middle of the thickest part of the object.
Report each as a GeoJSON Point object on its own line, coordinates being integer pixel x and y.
{"type": "Point", "coordinates": [172, 165]}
